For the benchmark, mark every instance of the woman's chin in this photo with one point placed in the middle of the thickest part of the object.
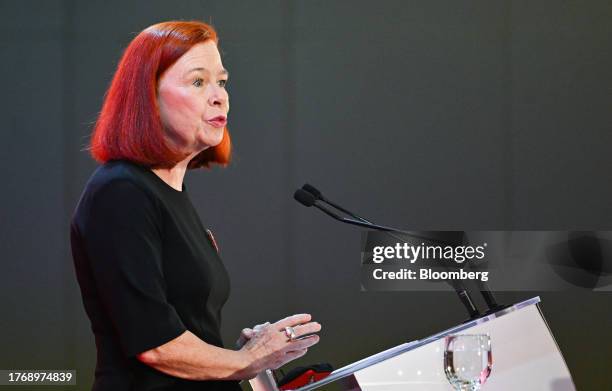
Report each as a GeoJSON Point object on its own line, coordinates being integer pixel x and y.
{"type": "Point", "coordinates": [211, 142]}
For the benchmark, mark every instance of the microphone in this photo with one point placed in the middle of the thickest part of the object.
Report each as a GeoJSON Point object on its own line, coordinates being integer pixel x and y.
{"type": "Point", "coordinates": [308, 196]}
{"type": "Point", "coordinates": [304, 197]}
{"type": "Point", "coordinates": [319, 196]}
{"type": "Point", "coordinates": [308, 199]}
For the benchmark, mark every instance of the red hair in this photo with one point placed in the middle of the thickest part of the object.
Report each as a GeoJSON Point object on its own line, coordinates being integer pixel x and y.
{"type": "Point", "coordinates": [129, 126]}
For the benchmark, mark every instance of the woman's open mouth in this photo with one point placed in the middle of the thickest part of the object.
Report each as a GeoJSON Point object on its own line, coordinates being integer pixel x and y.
{"type": "Point", "coordinates": [218, 121]}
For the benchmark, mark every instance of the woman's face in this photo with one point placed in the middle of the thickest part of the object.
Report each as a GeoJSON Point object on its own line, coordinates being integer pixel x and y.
{"type": "Point", "coordinates": [192, 98]}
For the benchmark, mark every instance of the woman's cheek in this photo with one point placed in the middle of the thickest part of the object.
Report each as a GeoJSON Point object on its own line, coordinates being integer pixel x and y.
{"type": "Point", "coordinates": [179, 101]}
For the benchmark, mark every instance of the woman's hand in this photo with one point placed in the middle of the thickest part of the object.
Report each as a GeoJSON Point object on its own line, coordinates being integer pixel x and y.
{"type": "Point", "coordinates": [268, 347]}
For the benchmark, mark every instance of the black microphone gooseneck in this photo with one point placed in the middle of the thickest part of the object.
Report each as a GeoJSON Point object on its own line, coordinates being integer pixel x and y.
{"type": "Point", "coordinates": [308, 196]}
{"type": "Point", "coordinates": [489, 298]}
{"type": "Point", "coordinates": [492, 305]}
{"type": "Point", "coordinates": [319, 196]}
{"type": "Point", "coordinates": [308, 199]}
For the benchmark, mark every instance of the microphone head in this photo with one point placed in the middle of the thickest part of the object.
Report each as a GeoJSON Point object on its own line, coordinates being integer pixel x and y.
{"type": "Point", "coordinates": [304, 197]}
{"type": "Point", "coordinates": [312, 190]}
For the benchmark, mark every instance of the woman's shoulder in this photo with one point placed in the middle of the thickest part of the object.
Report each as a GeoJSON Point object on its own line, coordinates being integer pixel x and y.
{"type": "Point", "coordinates": [121, 175]}
{"type": "Point", "coordinates": [116, 195]}
{"type": "Point", "coordinates": [119, 183]}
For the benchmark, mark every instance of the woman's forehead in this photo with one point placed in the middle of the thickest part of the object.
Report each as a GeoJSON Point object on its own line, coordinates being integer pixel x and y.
{"type": "Point", "coordinates": [201, 56]}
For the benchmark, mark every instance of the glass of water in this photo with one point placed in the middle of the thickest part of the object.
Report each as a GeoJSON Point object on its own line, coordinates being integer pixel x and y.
{"type": "Point", "coordinates": [467, 360]}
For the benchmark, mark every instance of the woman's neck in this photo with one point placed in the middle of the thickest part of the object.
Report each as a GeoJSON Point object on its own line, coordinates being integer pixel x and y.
{"type": "Point", "coordinates": [174, 176]}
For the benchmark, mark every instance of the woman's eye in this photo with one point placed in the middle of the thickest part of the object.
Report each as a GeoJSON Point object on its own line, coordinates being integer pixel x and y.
{"type": "Point", "coordinates": [222, 83]}
{"type": "Point", "coordinates": [198, 82]}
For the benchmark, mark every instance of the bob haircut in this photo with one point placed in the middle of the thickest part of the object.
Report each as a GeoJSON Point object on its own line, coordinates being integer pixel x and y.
{"type": "Point", "coordinates": [129, 125]}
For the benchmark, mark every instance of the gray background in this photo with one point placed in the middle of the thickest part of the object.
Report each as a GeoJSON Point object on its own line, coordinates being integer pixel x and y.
{"type": "Point", "coordinates": [424, 114]}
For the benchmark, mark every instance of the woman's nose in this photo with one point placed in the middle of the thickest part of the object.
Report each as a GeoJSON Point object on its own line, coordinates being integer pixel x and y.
{"type": "Point", "coordinates": [215, 101]}
{"type": "Point", "coordinates": [218, 97]}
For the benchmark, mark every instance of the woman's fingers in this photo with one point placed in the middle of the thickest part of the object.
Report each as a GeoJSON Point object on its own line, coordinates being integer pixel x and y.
{"type": "Point", "coordinates": [260, 326]}
{"type": "Point", "coordinates": [293, 320]}
{"type": "Point", "coordinates": [294, 354]}
{"type": "Point", "coordinates": [288, 357]}
{"type": "Point", "coordinates": [301, 324]}
{"type": "Point", "coordinates": [245, 335]}
{"type": "Point", "coordinates": [308, 328]}
{"type": "Point", "coordinates": [248, 333]}
{"type": "Point", "coordinates": [269, 346]}
{"type": "Point", "coordinates": [302, 343]}
{"type": "Point", "coordinates": [282, 343]}
{"type": "Point", "coordinates": [298, 352]}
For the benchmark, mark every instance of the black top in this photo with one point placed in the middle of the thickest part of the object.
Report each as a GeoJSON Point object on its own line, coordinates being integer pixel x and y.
{"type": "Point", "coordinates": [148, 271]}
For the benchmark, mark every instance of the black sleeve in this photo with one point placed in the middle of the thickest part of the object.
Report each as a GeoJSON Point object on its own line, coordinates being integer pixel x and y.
{"type": "Point", "coordinates": [123, 242]}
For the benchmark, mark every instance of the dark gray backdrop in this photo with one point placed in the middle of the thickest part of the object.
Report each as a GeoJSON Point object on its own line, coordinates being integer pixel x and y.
{"type": "Point", "coordinates": [422, 114]}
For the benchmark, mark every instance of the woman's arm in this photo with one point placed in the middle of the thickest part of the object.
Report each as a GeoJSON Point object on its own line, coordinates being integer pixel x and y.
{"type": "Point", "coordinates": [188, 357]}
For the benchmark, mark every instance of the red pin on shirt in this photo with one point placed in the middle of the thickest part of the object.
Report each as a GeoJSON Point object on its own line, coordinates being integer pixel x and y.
{"type": "Point", "coordinates": [212, 239]}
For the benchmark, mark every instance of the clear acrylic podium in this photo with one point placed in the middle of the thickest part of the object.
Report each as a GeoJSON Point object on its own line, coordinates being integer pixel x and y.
{"type": "Point", "coordinates": [525, 357]}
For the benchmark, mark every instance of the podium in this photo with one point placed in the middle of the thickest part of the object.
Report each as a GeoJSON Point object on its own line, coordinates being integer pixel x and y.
{"type": "Point", "coordinates": [526, 357]}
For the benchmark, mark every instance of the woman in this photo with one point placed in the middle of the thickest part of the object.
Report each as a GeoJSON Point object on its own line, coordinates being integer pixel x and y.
{"type": "Point", "coordinates": [150, 275]}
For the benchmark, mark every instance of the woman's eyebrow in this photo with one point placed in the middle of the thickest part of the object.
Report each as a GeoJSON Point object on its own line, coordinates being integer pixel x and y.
{"type": "Point", "coordinates": [221, 72]}
{"type": "Point", "coordinates": [196, 69]}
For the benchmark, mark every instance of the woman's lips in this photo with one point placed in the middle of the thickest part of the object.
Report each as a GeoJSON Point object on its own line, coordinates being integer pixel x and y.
{"type": "Point", "coordinates": [218, 122]}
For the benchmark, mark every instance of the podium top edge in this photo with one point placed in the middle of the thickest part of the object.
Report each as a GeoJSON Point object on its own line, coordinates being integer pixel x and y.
{"type": "Point", "coordinates": [408, 346]}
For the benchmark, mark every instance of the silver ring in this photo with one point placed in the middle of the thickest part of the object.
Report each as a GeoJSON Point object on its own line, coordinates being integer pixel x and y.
{"type": "Point", "coordinates": [290, 333]}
